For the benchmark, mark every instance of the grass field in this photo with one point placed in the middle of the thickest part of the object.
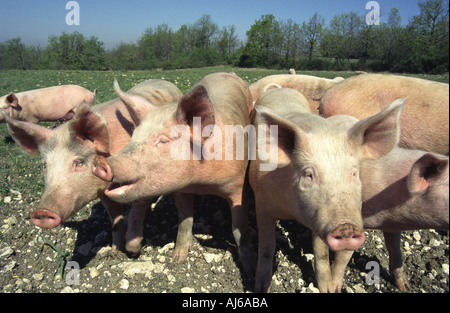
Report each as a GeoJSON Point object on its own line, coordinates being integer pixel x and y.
{"type": "Point", "coordinates": [23, 172]}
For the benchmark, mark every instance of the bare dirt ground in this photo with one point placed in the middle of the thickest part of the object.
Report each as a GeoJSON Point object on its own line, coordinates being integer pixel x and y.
{"type": "Point", "coordinates": [31, 258]}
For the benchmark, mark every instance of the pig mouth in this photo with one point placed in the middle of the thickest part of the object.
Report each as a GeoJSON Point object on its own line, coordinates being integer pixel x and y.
{"type": "Point", "coordinates": [123, 192]}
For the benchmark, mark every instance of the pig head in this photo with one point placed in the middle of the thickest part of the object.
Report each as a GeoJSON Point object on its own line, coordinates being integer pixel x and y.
{"type": "Point", "coordinates": [69, 184]}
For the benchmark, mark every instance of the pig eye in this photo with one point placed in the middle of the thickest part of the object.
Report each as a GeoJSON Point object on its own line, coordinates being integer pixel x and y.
{"type": "Point", "coordinates": [308, 174]}
{"type": "Point", "coordinates": [78, 163]}
{"type": "Point", "coordinates": [162, 139]}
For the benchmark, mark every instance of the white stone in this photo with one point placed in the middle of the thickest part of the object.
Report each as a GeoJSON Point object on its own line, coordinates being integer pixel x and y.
{"type": "Point", "coordinates": [445, 269]}
{"type": "Point", "coordinates": [93, 272]}
{"type": "Point", "coordinates": [416, 236]}
{"type": "Point", "coordinates": [6, 252]}
{"type": "Point", "coordinates": [187, 290]}
{"type": "Point", "coordinates": [312, 289]}
{"type": "Point", "coordinates": [211, 257]}
{"type": "Point", "coordinates": [124, 284]}
{"type": "Point", "coordinates": [132, 268]}
{"type": "Point", "coordinates": [38, 277]}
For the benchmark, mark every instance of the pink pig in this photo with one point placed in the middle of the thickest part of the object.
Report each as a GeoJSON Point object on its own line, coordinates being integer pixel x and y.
{"type": "Point", "coordinates": [315, 178]}
{"type": "Point", "coordinates": [68, 152]}
{"type": "Point", "coordinates": [57, 103]}
{"type": "Point", "coordinates": [150, 164]}
{"type": "Point", "coordinates": [403, 190]}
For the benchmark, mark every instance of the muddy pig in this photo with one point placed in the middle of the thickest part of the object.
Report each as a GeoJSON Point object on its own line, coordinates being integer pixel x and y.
{"type": "Point", "coordinates": [57, 103]}
{"type": "Point", "coordinates": [425, 117]}
{"type": "Point", "coordinates": [69, 150]}
{"type": "Point", "coordinates": [183, 148]}
{"type": "Point", "coordinates": [310, 87]}
{"type": "Point", "coordinates": [315, 179]}
{"type": "Point", "coordinates": [404, 190]}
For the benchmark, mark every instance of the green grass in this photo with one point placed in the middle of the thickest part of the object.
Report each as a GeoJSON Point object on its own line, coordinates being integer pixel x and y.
{"type": "Point", "coordinates": [23, 172]}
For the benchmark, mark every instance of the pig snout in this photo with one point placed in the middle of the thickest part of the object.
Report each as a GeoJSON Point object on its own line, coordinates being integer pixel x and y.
{"type": "Point", "coordinates": [101, 169]}
{"type": "Point", "coordinates": [345, 237]}
{"type": "Point", "coordinates": [45, 219]}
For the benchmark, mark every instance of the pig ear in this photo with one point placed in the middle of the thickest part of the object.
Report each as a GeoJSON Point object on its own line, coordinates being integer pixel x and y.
{"type": "Point", "coordinates": [90, 129]}
{"type": "Point", "coordinates": [136, 105]}
{"type": "Point", "coordinates": [289, 137]}
{"type": "Point", "coordinates": [28, 135]}
{"type": "Point", "coordinates": [427, 170]}
{"type": "Point", "coordinates": [378, 134]}
{"type": "Point", "coordinates": [196, 104]}
{"type": "Point", "coordinates": [12, 100]}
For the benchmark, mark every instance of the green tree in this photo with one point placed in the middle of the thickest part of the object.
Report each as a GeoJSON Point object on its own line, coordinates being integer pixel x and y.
{"type": "Point", "coordinates": [124, 57]}
{"type": "Point", "coordinates": [74, 51]}
{"type": "Point", "coordinates": [312, 34]}
{"type": "Point", "coordinates": [204, 30]}
{"type": "Point", "coordinates": [263, 43]}
{"type": "Point", "coordinates": [291, 41]}
{"type": "Point", "coordinates": [16, 51]}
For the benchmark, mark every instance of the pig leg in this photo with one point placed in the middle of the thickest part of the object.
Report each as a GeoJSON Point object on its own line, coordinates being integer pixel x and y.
{"type": "Point", "coordinates": [322, 265]}
{"type": "Point", "coordinates": [115, 212]}
{"type": "Point", "coordinates": [266, 250]}
{"type": "Point", "coordinates": [239, 218]}
{"type": "Point", "coordinates": [341, 259]}
{"type": "Point", "coordinates": [185, 206]}
{"type": "Point", "coordinates": [134, 235]}
{"type": "Point", "coordinates": [392, 241]}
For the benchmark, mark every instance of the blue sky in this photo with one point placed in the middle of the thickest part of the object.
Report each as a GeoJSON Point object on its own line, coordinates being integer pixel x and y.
{"type": "Point", "coordinates": [116, 21]}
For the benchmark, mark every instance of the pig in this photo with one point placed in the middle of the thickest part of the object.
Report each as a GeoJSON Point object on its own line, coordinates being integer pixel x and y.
{"type": "Point", "coordinates": [315, 179]}
{"type": "Point", "coordinates": [403, 190]}
{"type": "Point", "coordinates": [69, 149]}
{"type": "Point", "coordinates": [58, 103]}
{"type": "Point", "coordinates": [149, 165]}
{"type": "Point", "coordinates": [425, 118]}
{"type": "Point", "coordinates": [310, 87]}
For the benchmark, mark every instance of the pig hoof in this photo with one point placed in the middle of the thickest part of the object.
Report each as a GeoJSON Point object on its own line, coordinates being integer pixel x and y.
{"type": "Point", "coordinates": [180, 255]}
{"type": "Point", "coordinates": [133, 247]}
{"type": "Point", "coordinates": [401, 280]}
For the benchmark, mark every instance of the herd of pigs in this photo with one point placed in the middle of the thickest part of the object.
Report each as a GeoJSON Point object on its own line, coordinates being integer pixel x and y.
{"type": "Point", "coordinates": [367, 152]}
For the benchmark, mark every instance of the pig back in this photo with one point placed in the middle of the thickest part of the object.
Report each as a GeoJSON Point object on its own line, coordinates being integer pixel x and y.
{"type": "Point", "coordinates": [284, 100]}
{"type": "Point", "coordinates": [230, 97]}
{"type": "Point", "coordinates": [425, 116]}
{"type": "Point", "coordinates": [157, 91]}
{"type": "Point", "coordinates": [311, 87]}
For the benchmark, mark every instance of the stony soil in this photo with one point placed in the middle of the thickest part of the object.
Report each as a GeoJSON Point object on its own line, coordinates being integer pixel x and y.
{"type": "Point", "coordinates": [28, 263]}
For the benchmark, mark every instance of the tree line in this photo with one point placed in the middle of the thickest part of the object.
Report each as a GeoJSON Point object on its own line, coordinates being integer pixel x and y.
{"type": "Point", "coordinates": [346, 43]}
